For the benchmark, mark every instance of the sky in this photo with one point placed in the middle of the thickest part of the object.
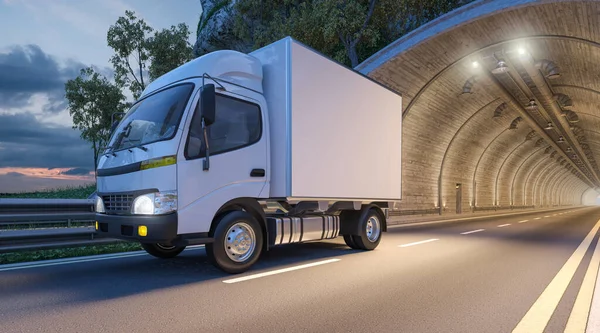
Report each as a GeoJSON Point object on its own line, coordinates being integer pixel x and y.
{"type": "Point", "coordinates": [45, 43]}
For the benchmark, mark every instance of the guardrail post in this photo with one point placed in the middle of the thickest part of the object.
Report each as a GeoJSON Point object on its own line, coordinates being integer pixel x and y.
{"type": "Point", "coordinates": [68, 223]}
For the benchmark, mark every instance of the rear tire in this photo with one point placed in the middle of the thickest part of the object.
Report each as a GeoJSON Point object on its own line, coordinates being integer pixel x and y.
{"type": "Point", "coordinates": [350, 242]}
{"type": "Point", "coordinates": [370, 228]}
{"type": "Point", "coordinates": [162, 251]}
{"type": "Point", "coordinates": [238, 242]}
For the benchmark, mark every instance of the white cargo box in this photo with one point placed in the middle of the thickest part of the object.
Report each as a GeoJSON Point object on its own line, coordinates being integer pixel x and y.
{"type": "Point", "coordinates": [335, 134]}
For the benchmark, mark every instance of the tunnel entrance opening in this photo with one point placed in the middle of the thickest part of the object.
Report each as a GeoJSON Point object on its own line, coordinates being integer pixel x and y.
{"type": "Point", "coordinates": [597, 201]}
{"type": "Point", "coordinates": [458, 198]}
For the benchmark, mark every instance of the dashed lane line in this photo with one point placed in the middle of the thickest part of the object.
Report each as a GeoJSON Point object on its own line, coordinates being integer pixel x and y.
{"type": "Point", "coordinates": [418, 243]}
{"type": "Point", "coordinates": [279, 271]}
{"type": "Point", "coordinates": [471, 232]}
{"type": "Point", "coordinates": [503, 225]}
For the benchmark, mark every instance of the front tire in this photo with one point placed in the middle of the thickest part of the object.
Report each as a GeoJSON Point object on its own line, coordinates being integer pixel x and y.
{"type": "Point", "coordinates": [162, 251]}
{"type": "Point", "coordinates": [238, 242]}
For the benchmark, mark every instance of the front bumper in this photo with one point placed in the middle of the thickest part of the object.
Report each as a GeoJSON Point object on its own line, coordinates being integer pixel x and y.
{"type": "Point", "coordinates": [161, 228]}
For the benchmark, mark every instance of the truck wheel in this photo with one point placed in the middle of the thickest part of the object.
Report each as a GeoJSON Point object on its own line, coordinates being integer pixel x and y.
{"type": "Point", "coordinates": [350, 242]}
{"type": "Point", "coordinates": [238, 242]}
{"type": "Point", "coordinates": [162, 251]}
{"type": "Point", "coordinates": [370, 231]}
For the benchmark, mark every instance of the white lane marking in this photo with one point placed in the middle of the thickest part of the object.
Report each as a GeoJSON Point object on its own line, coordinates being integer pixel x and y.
{"type": "Point", "coordinates": [537, 218]}
{"type": "Point", "coordinates": [593, 323]}
{"type": "Point", "coordinates": [546, 216]}
{"type": "Point", "coordinates": [581, 309]}
{"type": "Point", "coordinates": [471, 232]}
{"type": "Point", "coordinates": [503, 225]}
{"type": "Point", "coordinates": [279, 271]}
{"type": "Point", "coordinates": [77, 260]}
{"type": "Point", "coordinates": [417, 243]}
{"type": "Point", "coordinates": [538, 316]}
{"type": "Point", "coordinates": [554, 215]}
{"type": "Point", "coordinates": [412, 224]}
{"type": "Point", "coordinates": [523, 221]}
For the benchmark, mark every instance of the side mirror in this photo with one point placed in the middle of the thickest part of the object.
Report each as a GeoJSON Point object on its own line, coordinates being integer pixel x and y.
{"type": "Point", "coordinates": [207, 103]}
{"type": "Point", "coordinates": [114, 126]}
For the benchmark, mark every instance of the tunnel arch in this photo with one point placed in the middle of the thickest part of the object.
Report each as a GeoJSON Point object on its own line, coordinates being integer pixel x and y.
{"type": "Point", "coordinates": [475, 130]}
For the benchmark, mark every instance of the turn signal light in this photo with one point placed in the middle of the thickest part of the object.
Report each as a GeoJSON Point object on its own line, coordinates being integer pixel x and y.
{"type": "Point", "coordinates": [96, 225]}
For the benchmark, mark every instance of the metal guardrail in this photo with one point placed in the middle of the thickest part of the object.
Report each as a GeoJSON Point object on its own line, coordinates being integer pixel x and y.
{"type": "Point", "coordinates": [38, 224]}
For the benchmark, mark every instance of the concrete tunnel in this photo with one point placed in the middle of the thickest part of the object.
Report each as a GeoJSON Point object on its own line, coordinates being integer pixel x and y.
{"type": "Point", "coordinates": [501, 106]}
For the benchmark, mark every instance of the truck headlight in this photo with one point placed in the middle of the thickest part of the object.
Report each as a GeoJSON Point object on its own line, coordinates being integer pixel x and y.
{"type": "Point", "coordinates": [155, 203]}
{"type": "Point", "coordinates": [100, 205]}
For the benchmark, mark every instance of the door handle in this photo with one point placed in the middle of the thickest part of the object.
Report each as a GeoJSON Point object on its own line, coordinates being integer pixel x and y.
{"type": "Point", "coordinates": [257, 173]}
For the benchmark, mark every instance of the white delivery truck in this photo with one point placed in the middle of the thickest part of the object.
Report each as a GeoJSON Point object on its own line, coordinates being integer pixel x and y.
{"type": "Point", "coordinates": [244, 152]}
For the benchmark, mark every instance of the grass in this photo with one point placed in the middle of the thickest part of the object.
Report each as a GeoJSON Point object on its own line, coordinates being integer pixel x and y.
{"type": "Point", "coordinates": [26, 256]}
{"type": "Point", "coordinates": [71, 192]}
{"type": "Point", "coordinates": [77, 192]}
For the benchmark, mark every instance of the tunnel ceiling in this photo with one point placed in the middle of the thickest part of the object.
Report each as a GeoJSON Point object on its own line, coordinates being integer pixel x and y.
{"type": "Point", "coordinates": [516, 80]}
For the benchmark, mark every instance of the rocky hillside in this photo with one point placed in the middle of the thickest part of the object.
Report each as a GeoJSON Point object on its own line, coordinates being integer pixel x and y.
{"type": "Point", "coordinates": [215, 28]}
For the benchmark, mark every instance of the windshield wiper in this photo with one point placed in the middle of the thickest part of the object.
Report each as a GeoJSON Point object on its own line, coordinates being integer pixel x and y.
{"type": "Point", "coordinates": [140, 146]}
{"type": "Point", "coordinates": [123, 134]}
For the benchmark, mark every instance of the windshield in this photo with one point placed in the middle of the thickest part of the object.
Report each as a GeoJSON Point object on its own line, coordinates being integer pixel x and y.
{"type": "Point", "coordinates": [152, 119]}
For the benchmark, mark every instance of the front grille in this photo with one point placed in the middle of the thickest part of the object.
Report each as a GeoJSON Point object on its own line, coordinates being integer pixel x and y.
{"type": "Point", "coordinates": [118, 203]}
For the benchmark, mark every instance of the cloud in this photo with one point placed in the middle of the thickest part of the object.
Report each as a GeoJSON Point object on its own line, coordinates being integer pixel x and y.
{"type": "Point", "coordinates": [29, 143]}
{"type": "Point", "coordinates": [76, 172]}
{"type": "Point", "coordinates": [26, 70]}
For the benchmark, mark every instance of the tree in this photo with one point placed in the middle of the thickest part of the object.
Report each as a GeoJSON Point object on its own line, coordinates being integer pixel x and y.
{"type": "Point", "coordinates": [127, 37]}
{"type": "Point", "coordinates": [169, 49]}
{"type": "Point", "coordinates": [92, 100]}
{"type": "Point", "coordinates": [348, 31]}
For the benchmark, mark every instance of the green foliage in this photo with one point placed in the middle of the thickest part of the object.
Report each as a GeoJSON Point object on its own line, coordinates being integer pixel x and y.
{"type": "Point", "coordinates": [348, 31]}
{"type": "Point", "coordinates": [16, 257]}
{"type": "Point", "coordinates": [169, 49]}
{"type": "Point", "coordinates": [92, 100]}
{"type": "Point", "coordinates": [127, 37]}
{"type": "Point", "coordinates": [69, 192]}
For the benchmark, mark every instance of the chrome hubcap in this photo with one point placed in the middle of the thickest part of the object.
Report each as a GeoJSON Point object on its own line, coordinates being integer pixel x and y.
{"type": "Point", "coordinates": [240, 242]}
{"type": "Point", "coordinates": [373, 229]}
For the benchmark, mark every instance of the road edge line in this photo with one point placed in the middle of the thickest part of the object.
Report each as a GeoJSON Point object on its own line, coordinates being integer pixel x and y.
{"type": "Point", "coordinates": [578, 318]}
{"type": "Point", "coordinates": [538, 316]}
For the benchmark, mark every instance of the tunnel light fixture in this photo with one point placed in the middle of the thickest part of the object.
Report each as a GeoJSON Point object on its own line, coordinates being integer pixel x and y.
{"type": "Point", "coordinates": [521, 51]}
{"type": "Point", "coordinates": [569, 149]}
{"type": "Point", "coordinates": [549, 68]}
{"type": "Point", "coordinates": [500, 68]}
{"type": "Point", "coordinates": [532, 105]}
{"type": "Point", "coordinates": [475, 64]}
{"type": "Point", "coordinates": [549, 126]}
{"type": "Point", "coordinates": [561, 139]}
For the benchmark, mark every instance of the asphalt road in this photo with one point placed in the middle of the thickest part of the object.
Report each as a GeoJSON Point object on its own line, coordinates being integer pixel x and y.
{"type": "Point", "coordinates": [487, 275]}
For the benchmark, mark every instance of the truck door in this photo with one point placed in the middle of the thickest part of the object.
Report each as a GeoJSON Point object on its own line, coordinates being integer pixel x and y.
{"type": "Point", "coordinates": [238, 161]}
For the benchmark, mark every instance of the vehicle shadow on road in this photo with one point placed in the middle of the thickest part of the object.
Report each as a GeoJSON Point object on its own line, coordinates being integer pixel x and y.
{"type": "Point", "coordinates": [27, 289]}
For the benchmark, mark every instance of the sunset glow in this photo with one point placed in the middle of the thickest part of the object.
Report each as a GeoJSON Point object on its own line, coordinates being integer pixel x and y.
{"type": "Point", "coordinates": [57, 173]}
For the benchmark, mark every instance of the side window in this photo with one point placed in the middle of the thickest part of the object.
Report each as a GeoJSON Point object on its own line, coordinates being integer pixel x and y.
{"type": "Point", "coordinates": [237, 125]}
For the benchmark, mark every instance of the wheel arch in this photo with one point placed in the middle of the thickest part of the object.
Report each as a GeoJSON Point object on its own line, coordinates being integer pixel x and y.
{"type": "Point", "coordinates": [249, 205]}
